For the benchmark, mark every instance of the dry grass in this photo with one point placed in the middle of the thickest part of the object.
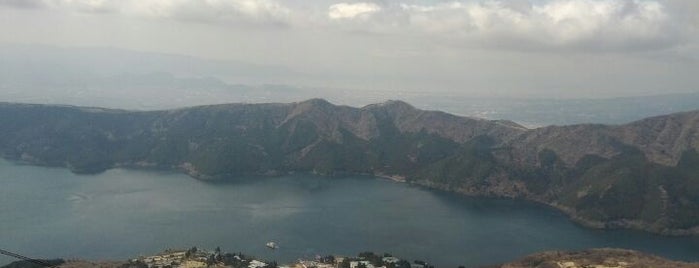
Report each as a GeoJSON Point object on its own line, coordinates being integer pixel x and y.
{"type": "Point", "coordinates": [597, 258]}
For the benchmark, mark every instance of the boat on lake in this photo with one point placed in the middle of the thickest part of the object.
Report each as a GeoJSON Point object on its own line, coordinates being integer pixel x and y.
{"type": "Point", "coordinates": [272, 245]}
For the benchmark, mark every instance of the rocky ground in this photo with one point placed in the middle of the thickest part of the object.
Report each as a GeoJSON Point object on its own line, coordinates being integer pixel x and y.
{"type": "Point", "coordinates": [596, 258]}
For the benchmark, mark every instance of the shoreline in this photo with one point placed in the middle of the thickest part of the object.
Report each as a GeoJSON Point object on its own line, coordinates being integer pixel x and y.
{"type": "Point", "coordinates": [195, 257]}
{"type": "Point", "coordinates": [569, 212]}
{"type": "Point", "coordinates": [395, 177]}
{"type": "Point", "coordinates": [572, 215]}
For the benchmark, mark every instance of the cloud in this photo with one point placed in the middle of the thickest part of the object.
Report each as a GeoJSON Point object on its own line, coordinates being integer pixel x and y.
{"type": "Point", "coordinates": [256, 11]}
{"type": "Point", "coordinates": [261, 11]}
{"type": "Point", "coordinates": [90, 6]}
{"type": "Point", "coordinates": [579, 24]}
{"type": "Point", "coordinates": [22, 3]}
{"type": "Point", "coordinates": [97, 6]}
{"type": "Point", "coordinates": [354, 10]}
{"type": "Point", "coordinates": [589, 25]}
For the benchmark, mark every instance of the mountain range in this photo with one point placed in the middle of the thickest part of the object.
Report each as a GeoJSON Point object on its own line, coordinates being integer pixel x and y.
{"type": "Point", "coordinates": [641, 175]}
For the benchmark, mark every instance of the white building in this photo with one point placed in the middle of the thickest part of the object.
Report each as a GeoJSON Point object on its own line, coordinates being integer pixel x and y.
{"type": "Point", "coordinates": [354, 264]}
{"type": "Point", "coordinates": [256, 264]}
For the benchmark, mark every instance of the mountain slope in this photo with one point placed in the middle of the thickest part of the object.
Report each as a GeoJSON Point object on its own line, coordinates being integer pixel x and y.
{"type": "Point", "coordinates": [643, 175]}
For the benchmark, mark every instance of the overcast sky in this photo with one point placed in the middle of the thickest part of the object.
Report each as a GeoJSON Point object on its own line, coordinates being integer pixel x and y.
{"type": "Point", "coordinates": [557, 48]}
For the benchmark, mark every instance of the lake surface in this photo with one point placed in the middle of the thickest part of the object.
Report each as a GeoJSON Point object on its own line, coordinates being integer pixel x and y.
{"type": "Point", "coordinates": [50, 212]}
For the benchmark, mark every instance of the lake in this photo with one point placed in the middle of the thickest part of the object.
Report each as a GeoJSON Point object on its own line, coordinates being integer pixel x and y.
{"type": "Point", "coordinates": [50, 212]}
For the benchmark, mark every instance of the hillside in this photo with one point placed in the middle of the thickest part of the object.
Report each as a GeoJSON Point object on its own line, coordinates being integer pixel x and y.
{"type": "Point", "coordinates": [642, 175]}
{"type": "Point", "coordinates": [602, 258]}
{"type": "Point", "coordinates": [598, 258]}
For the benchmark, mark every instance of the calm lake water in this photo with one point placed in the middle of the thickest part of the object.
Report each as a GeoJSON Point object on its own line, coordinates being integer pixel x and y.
{"type": "Point", "coordinates": [49, 212]}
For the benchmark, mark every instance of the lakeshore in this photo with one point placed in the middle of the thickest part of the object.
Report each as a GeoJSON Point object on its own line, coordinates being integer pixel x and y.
{"type": "Point", "coordinates": [145, 211]}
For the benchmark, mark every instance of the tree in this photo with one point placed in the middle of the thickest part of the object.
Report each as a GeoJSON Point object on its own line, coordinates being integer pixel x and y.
{"type": "Point", "coordinates": [191, 252]}
{"type": "Point", "coordinates": [272, 264]}
{"type": "Point", "coordinates": [328, 259]}
{"type": "Point", "coordinates": [403, 264]}
{"type": "Point", "coordinates": [345, 263]}
{"type": "Point", "coordinates": [211, 260]}
{"type": "Point", "coordinates": [372, 258]}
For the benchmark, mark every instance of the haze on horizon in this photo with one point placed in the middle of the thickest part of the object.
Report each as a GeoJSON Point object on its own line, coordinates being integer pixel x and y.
{"type": "Point", "coordinates": [487, 48]}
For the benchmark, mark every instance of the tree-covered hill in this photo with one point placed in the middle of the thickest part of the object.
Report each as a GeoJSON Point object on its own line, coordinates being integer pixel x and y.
{"type": "Point", "coordinates": [643, 175]}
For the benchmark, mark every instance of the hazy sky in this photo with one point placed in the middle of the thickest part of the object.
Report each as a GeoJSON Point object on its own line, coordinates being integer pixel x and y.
{"type": "Point", "coordinates": [560, 48]}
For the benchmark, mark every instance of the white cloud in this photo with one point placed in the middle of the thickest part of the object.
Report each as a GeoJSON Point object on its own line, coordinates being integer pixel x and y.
{"type": "Point", "coordinates": [86, 5]}
{"type": "Point", "coordinates": [512, 24]}
{"type": "Point", "coordinates": [354, 10]}
{"type": "Point", "coordinates": [595, 24]}
{"type": "Point", "coordinates": [259, 11]}
{"type": "Point", "coordinates": [611, 22]}
{"type": "Point", "coordinates": [211, 10]}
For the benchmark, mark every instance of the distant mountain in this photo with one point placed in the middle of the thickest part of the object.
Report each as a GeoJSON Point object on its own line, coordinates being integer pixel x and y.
{"type": "Point", "coordinates": [124, 79]}
{"type": "Point", "coordinates": [543, 111]}
{"type": "Point", "coordinates": [152, 91]}
{"type": "Point", "coordinates": [21, 63]}
{"type": "Point", "coordinates": [642, 175]}
{"type": "Point", "coordinates": [137, 80]}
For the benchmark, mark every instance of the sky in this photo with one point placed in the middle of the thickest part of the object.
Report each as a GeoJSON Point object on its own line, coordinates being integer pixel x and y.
{"type": "Point", "coordinates": [518, 48]}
